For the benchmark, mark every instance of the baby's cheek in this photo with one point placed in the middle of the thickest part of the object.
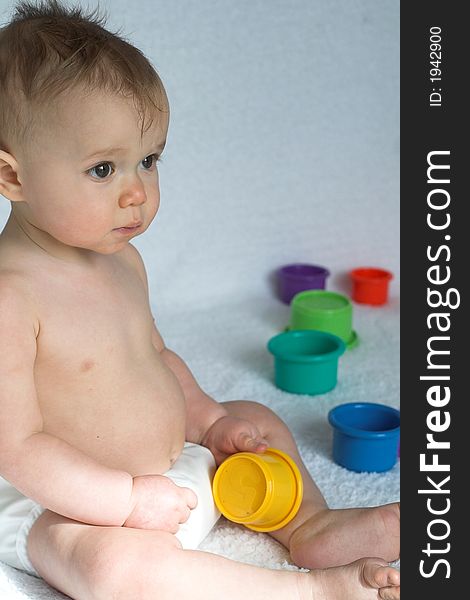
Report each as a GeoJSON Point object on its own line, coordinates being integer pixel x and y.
{"type": "Point", "coordinates": [150, 209]}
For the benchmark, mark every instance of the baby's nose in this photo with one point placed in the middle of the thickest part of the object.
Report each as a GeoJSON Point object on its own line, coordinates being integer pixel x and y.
{"type": "Point", "coordinates": [133, 194]}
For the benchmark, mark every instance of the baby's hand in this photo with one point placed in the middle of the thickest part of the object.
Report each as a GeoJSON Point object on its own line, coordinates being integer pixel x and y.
{"type": "Point", "coordinates": [230, 434]}
{"type": "Point", "coordinates": [158, 503]}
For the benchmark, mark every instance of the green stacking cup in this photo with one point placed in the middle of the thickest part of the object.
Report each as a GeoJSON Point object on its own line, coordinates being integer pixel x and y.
{"type": "Point", "coordinates": [306, 362]}
{"type": "Point", "coordinates": [324, 310]}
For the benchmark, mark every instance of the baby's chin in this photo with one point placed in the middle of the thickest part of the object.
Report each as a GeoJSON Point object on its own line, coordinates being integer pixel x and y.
{"type": "Point", "coordinates": [118, 245]}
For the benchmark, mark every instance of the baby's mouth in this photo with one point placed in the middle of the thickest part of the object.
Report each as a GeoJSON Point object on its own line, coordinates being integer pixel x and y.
{"type": "Point", "coordinates": [129, 228]}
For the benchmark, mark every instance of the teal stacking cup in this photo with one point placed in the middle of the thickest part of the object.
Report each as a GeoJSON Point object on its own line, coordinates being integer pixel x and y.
{"type": "Point", "coordinates": [306, 362]}
{"type": "Point", "coordinates": [324, 310]}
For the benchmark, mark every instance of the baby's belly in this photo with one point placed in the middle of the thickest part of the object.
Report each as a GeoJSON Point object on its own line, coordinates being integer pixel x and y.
{"type": "Point", "coordinates": [130, 418]}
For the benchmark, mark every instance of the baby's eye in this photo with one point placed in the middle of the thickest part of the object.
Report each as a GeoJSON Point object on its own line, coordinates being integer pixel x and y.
{"type": "Point", "coordinates": [101, 171]}
{"type": "Point", "coordinates": [149, 161]}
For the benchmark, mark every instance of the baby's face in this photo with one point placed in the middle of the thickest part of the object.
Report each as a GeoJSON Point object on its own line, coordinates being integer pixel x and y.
{"type": "Point", "coordinates": [90, 179]}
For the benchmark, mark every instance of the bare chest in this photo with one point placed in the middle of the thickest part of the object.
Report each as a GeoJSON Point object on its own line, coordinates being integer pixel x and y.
{"type": "Point", "coordinates": [101, 384]}
{"type": "Point", "coordinates": [85, 319]}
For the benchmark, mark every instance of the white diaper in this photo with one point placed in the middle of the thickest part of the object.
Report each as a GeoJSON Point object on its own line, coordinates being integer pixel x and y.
{"type": "Point", "coordinates": [194, 469]}
{"type": "Point", "coordinates": [17, 515]}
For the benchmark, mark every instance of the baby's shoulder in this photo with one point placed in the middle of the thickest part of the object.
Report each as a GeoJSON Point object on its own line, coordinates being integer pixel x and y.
{"type": "Point", "coordinates": [131, 256]}
{"type": "Point", "coordinates": [17, 272]}
{"type": "Point", "coordinates": [16, 299]}
{"type": "Point", "coordinates": [14, 278]}
{"type": "Point", "coordinates": [18, 277]}
{"type": "Point", "coordinates": [15, 261]}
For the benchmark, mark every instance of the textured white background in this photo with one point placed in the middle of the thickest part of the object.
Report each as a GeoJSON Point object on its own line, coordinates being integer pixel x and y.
{"type": "Point", "coordinates": [283, 147]}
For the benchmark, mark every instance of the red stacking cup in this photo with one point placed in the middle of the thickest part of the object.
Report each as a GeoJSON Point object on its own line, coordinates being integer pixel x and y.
{"type": "Point", "coordinates": [370, 285]}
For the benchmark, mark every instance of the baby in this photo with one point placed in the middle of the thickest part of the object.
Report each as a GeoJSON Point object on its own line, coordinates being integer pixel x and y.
{"type": "Point", "coordinates": [107, 443]}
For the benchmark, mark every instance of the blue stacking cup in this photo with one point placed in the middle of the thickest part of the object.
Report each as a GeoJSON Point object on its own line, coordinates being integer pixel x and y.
{"type": "Point", "coordinates": [365, 436]}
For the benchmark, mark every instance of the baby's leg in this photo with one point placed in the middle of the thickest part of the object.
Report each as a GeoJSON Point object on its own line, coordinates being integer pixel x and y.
{"type": "Point", "coordinates": [99, 563]}
{"type": "Point", "coordinates": [318, 536]}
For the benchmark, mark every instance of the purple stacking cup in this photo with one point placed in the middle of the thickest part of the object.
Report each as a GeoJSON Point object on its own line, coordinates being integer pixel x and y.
{"type": "Point", "coordinates": [298, 277]}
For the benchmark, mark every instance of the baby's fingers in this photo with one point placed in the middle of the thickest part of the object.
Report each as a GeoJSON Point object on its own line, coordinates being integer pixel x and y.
{"type": "Point", "coordinates": [252, 442]}
{"type": "Point", "coordinates": [188, 502]}
{"type": "Point", "coordinates": [190, 498]}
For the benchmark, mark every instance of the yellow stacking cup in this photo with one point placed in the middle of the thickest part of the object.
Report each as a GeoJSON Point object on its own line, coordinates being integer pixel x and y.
{"type": "Point", "coordinates": [261, 491]}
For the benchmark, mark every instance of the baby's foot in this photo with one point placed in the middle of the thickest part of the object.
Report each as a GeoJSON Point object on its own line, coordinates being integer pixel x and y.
{"type": "Point", "coordinates": [337, 537]}
{"type": "Point", "coordinates": [365, 579]}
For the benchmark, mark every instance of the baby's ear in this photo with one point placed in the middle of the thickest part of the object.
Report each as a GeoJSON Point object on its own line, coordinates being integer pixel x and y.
{"type": "Point", "coordinates": [10, 186]}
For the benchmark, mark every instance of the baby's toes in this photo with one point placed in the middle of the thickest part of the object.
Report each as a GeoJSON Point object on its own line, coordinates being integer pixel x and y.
{"type": "Point", "coordinates": [390, 593]}
{"type": "Point", "coordinates": [377, 574]}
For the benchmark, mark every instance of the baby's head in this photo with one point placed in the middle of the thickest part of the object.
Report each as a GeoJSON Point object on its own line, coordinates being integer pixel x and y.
{"type": "Point", "coordinates": [82, 111]}
{"type": "Point", "coordinates": [48, 53]}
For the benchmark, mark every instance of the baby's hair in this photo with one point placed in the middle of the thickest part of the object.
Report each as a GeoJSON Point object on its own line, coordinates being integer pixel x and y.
{"type": "Point", "coordinates": [48, 49]}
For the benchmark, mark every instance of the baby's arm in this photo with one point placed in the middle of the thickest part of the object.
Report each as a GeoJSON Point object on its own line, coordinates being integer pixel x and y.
{"type": "Point", "coordinates": [51, 471]}
{"type": "Point", "coordinates": [202, 411]}
{"type": "Point", "coordinates": [207, 421]}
